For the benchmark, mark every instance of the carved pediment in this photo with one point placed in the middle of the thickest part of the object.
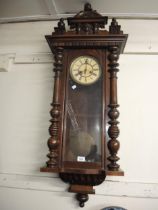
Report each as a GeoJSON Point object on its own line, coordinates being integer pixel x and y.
{"type": "Point", "coordinates": [88, 21]}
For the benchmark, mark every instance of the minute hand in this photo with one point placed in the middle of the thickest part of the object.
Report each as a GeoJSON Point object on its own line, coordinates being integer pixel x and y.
{"type": "Point", "coordinates": [85, 70]}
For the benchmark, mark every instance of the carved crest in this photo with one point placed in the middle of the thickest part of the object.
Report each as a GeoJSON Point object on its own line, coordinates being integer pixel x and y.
{"type": "Point", "coordinates": [88, 21]}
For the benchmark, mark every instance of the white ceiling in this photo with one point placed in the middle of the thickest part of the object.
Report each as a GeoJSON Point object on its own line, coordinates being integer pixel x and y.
{"type": "Point", "coordinates": [24, 10]}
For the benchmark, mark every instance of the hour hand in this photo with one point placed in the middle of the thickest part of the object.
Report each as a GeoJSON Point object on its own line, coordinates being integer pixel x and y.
{"type": "Point", "coordinates": [78, 73]}
{"type": "Point", "coordinates": [85, 70]}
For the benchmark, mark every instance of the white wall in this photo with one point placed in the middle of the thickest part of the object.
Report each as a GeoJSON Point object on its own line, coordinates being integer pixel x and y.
{"type": "Point", "coordinates": [26, 94]}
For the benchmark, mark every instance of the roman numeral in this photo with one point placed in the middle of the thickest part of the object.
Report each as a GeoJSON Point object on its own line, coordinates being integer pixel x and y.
{"type": "Point", "coordinates": [80, 78]}
{"type": "Point", "coordinates": [94, 74]}
{"type": "Point", "coordinates": [77, 74]}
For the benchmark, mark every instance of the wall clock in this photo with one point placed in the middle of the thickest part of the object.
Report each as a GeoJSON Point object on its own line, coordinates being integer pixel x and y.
{"type": "Point", "coordinates": [85, 101]}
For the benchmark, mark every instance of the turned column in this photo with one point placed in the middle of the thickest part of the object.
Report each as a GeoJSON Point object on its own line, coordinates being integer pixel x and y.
{"type": "Point", "coordinates": [53, 141]}
{"type": "Point", "coordinates": [113, 131]}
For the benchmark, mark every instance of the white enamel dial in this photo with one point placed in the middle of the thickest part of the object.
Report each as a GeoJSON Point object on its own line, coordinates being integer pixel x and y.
{"type": "Point", "coordinates": [85, 70]}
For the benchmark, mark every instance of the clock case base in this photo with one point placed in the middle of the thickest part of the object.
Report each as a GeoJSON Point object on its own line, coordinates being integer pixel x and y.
{"type": "Point", "coordinates": [82, 184]}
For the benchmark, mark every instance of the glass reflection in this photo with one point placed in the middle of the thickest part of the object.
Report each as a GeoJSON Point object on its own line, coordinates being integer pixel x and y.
{"type": "Point", "coordinates": [83, 122]}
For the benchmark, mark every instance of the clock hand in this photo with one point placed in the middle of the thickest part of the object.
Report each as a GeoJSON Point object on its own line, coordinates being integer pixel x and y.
{"type": "Point", "coordinates": [93, 73]}
{"type": "Point", "coordinates": [78, 73]}
{"type": "Point", "coordinates": [85, 70]}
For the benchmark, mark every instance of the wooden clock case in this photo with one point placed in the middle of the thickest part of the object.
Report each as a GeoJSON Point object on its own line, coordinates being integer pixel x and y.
{"type": "Point", "coordinates": [86, 36]}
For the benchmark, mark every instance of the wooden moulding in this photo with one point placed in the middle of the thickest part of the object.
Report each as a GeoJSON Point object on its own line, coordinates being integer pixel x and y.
{"type": "Point", "coordinates": [71, 170]}
{"type": "Point", "coordinates": [81, 189]}
{"type": "Point", "coordinates": [115, 173]}
{"type": "Point", "coordinates": [49, 170]}
{"type": "Point", "coordinates": [108, 173]}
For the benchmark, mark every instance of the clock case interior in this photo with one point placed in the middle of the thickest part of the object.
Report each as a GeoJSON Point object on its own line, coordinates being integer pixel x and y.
{"type": "Point", "coordinates": [87, 107]}
{"type": "Point", "coordinates": [85, 39]}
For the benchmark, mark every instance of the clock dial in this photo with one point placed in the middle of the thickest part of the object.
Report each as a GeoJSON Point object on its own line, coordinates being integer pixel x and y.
{"type": "Point", "coordinates": [85, 70]}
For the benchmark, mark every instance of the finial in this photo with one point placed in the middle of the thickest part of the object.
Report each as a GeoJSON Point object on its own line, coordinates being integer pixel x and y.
{"type": "Point", "coordinates": [61, 27]}
{"type": "Point", "coordinates": [87, 7]}
{"type": "Point", "coordinates": [114, 27]}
